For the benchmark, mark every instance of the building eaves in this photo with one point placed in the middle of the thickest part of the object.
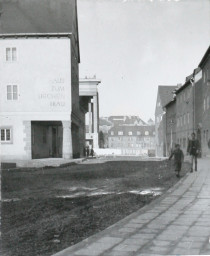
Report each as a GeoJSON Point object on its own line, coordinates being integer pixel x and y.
{"type": "Point", "coordinates": [170, 103]}
{"type": "Point", "coordinates": [205, 57]}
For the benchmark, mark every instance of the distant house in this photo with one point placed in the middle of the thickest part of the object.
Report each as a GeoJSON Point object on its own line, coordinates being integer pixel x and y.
{"type": "Point", "coordinates": [40, 106]}
{"type": "Point", "coordinates": [165, 94]}
{"type": "Point", "coordinates": [132, 139]}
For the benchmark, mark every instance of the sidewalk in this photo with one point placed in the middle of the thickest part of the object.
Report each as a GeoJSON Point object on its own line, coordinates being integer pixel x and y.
{"type": "Point", "coordinates": [40, 163]}
{"type": "Point", "coordinates": [178, 223]}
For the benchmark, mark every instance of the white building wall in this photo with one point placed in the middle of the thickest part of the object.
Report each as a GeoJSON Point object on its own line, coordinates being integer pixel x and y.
{"type": "Point", "coordinates": [42, 73]}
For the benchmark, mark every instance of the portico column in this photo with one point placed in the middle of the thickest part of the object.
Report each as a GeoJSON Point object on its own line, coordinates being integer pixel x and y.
{"type": "Point", "coordinates": [67, 140]}
{"type": "Point", "coordinates": [95, 120]}
{"type": "Point", "coordinates": [90, 117]}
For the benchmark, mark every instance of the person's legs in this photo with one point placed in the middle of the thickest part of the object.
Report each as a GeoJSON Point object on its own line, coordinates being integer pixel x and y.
{"type": "Point", "coordinates": [195, 163]}
{"type": "Point", "coordinates": [191, 163]}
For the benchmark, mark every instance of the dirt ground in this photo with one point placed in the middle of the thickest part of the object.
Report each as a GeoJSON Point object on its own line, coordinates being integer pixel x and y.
{"type": "Point", "coordinates": [47, 210]}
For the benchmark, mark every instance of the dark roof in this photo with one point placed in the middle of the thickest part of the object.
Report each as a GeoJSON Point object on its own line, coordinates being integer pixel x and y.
{"type": "Point", "coordinates": [126, 120]}
{"type": "Point", "coordinates": [37, 16]}
{"type": "Point", "coordinates": [166, 93]}
{"type": "Point", "coordinates": [206, 55]}
{"type": "Point", "coordinates": [103, 121]}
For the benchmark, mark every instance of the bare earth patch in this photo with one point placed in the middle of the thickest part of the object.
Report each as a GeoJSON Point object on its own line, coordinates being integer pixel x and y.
{"type": "Point", "coordinates": [45, 211]}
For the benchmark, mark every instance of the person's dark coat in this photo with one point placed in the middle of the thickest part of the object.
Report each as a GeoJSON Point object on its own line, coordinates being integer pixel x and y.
{"type": "Point", "coordinates": [178, 158]}
{"type": "Point", "coordinates": [193, 147]}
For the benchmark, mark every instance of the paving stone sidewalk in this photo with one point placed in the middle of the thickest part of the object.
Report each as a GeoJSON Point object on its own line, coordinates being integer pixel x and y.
{"type": "Point", "coordinates": [177, 223]}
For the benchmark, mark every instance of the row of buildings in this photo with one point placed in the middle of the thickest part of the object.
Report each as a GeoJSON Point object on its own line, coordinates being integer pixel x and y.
{"type": "Point", "coordinates": [183, 109]}
{"type": "Point", "coordinates": [129, 134]}
{"type": "Point", "coordinates": [44, 106]}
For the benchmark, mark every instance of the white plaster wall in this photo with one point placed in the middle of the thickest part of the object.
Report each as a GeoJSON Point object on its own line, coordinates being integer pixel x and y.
{"type": "Point", "coordinates": [43, 75]}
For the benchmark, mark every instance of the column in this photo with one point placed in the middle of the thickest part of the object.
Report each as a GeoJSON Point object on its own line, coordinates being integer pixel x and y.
{"type": "Point", "coordinates": [27, 140]}
{"type": "Point", "coordinates": [95, 121]}
{"type": "Point", "coordinates": [90, 117]}
{"type": "Point", "coordinates": [67, 140]}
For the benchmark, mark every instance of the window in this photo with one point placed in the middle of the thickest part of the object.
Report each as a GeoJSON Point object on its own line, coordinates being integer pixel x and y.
{"type": "Point", "coordinates": [120, 132]}
{"type": "Point", "coordinates": [6, 135]}
{"type": "Point", "coordinates": [184, 119]}
{"type": "Point", "coordinates": [177, 122]}
{"type": "Point", "coordinates": [204, 104]}
{"type": "Point", "coordinates": [11, 54]}
{"type": "Point", "coordinates": [207, 103]}
{"type": "Point", "coordinates": [188, 118]}
{"type": "Point", "coordinates": [130, 133]}
{"type": "Point", "coordinates": [12, 92]}
{"type": "Point", "coordinates": [146, 133]}
{"type": "Point", "coordinates": [112, 133]}
{"type": "Point", "coordinates": [138, 133]}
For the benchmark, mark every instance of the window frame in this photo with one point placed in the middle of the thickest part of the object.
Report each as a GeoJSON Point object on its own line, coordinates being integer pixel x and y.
{"type": "Point", "coordinates": [5, 128]}
{"type": "Point", "coordinates": [12, 92]}
{"type": "Point", "coordinates": [11, 54]}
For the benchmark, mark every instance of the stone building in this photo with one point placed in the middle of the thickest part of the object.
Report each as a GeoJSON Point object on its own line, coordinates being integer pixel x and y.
{"type": "Point", "coordinates": [164, 96]}
{"type": "Point", "coordinates": [205, 103]}
{"type": "Point", "coordinates": [41, 115]}
{"type": "Point", "coordinates": [190, 110]}
{"type": "Point", "coordinates": [132, 136]}
{"type": "Point", "coordinates": [170, 121]}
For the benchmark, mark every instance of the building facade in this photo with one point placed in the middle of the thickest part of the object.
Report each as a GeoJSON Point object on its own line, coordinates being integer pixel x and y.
{"type": "Point", "coordinates": [170, 121]}
{"type": "Point", "coordinates": [190, 109]}
{"type": "Point", "coordinates": [132, 138]}
{"type": "Point", "coordinates": [40, 109]}
{"type": "Point", "coordinates": [164, 96]}
{"type": "Point", "coordinates": [205, 106]}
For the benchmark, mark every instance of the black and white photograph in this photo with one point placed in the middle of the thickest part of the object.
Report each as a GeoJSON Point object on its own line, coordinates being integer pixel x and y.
{"type": "Point", "coordinates": [105, 127]}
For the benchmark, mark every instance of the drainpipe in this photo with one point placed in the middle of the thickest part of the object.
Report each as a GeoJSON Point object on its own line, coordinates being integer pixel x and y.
{"type": "Point", "coordinates": [192, 81]}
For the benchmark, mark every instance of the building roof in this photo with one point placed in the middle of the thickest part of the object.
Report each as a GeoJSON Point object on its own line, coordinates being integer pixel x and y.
{"type": "Point", "coordinates": [205, 57]}
{"type": "Point", "coordinates": [126, 120]}
{"type": "Point", "coordinates": [166, 93]}
{"type": "Point", "coordinates": [37, 16]}
{"type": "Point", "coordinates": [103, 121]}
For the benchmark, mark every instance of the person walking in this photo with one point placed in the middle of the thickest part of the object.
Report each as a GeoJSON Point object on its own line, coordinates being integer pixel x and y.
{"type": "Point", "coordinates": [193, 149]}
{"type": "Point", "coordinates": [178, 155]}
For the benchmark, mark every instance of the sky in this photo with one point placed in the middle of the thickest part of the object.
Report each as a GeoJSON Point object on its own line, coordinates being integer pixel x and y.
{"type": "Point", "coordinates": [133, 46]}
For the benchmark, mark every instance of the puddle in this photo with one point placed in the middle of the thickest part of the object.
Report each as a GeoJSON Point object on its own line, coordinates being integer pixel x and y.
{"type": "Point", "coordinates": [81, 188]}
{"type": "Point", "coordinates": [10, 200]}
{"type": "Point", "coordinates": [151, 191]}
{"type": "Point", "coordinates": [85, 191]}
